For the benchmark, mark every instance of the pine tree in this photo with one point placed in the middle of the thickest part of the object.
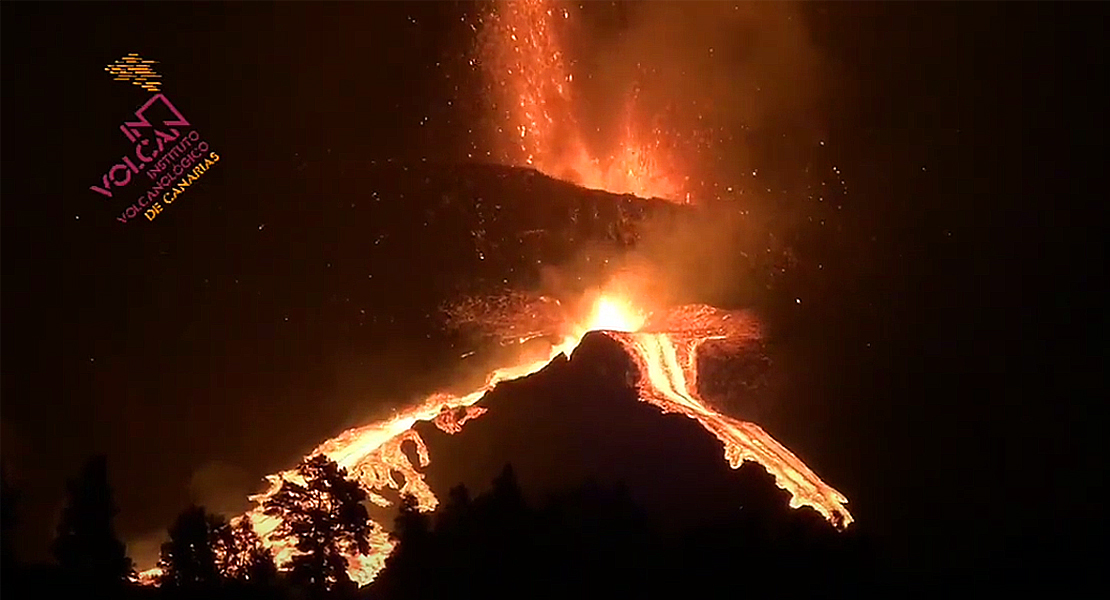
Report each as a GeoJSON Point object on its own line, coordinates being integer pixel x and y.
{"type": "Point", "coordinates": [325, 519]}
{"type": "Point", "coordinates": [190, 558]}
{"type": "Point", "coordinates": [9, 501]}
{"type": "Point", "coordinates": [206, 553]}
{"type": "Point", "coordinates": [413, 557]}
{"type": "Point", "coordinates": [411, 523]}
{"type": "Point", "coordinates": [87, 548]}
{"type": "Point", "coordinates": [456, 510]}
{"type": "Point", "coordinates": [244, 557]}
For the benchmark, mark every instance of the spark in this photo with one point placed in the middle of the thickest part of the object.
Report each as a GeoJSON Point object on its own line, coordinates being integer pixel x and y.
{"type": "Point", "coordinates": [528, 73]}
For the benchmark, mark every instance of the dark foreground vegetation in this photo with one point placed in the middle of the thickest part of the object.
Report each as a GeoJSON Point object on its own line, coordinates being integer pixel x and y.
{"type": "Point", "coordinates": [591, 541]}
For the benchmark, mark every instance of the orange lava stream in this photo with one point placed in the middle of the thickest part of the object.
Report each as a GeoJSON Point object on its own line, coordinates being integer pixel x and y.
{"type": "Point", "coordinates": [527, 67]}
{"type": "Point", "coordinates": [371, 454]}
{"type": "Point", "coordinates": [666, 358]}
{"type": "Point", "coordinates": [668, 367]}
{"type": "Point", "coordinates": [525, 62]}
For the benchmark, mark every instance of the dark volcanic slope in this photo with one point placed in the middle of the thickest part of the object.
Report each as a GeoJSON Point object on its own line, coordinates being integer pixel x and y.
{"type": "Point", "coordinates": [492, 226]}
{"type": "Point", "coordinates": [443, 229]}
{"type": "Point", "coordinates": [580, 420]}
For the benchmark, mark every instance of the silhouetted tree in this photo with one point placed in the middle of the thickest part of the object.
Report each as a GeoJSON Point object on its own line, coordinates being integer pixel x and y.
{"type": "Point", "coordinates": [411, 523]}
{"type": "Point", "coordinates": [9, 499]}
{"type": "Point", "coordinates": [244, 557]}
{"type": "Point", "coordinates": [508, 534]}
{"type": "Point", "coordinates": [455, 544]}
{"type": "Point", "coordinates": [455, 519]}
{"type": "Point", "coordinates": [325, 519]}
{"type": "Point", "coordinates": [458, 502]}
{"type": "Point", "coordinates": [189, 559]}
{"type": "Point", "coordinates": [595, 541]}
{"type": "Point", "coordinates": [87, 548]}
{"type": "Point", "coordinates": [478, 548]}
{"type": "Point", "coordinates": [206, 556]}
{"type": "Point", "coordinates": [413, 556]}
{"type": "Point", "coordinates": [507, 495]}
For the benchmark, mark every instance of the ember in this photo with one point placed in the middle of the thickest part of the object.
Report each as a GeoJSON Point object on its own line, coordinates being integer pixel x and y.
{"type": "Point", "coordinates": [522, 52]}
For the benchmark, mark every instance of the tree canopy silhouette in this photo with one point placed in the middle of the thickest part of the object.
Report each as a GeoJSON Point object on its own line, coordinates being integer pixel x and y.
{"type": "Point", "coordinates": [243, 557]}
{"type": "Point", "coordinates": [188, 559]}
{"type": "Point", "coordinates": [9, 501]}
{"type": "Point", "coordinates": [412, 534]}
{"type": "Point", "coordinates": [87, 548]}
{"type": "Point", "coordinates": [594, 540]}
{"type": "Point", "coordinates": [325, 519]}
{"type": "Point", "coordinates": [480, 547]}
{"type": "Point", "coordinates": [205, 553]}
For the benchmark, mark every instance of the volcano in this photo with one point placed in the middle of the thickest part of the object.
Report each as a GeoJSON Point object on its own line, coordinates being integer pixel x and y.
{"type": "Point", "coordinates": [665, 349]}
{"type": "Point", "coordinates": [410, 236]}
{"type": "Point", "coordinates": [581, 419]}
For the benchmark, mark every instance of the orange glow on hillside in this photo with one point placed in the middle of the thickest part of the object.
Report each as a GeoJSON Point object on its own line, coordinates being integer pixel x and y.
{"type": "Point", "coordinates": [665, 351]}
{"type": "Point", "coordinates": [532, 81]}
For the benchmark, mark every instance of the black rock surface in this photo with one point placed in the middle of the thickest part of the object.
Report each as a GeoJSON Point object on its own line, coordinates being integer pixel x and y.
{"type": "Point", "coordinates": [580, 420]}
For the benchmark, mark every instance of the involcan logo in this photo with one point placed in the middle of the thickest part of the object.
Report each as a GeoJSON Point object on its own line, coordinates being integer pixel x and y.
{"type": "Point", "coordinates": [166, 154]}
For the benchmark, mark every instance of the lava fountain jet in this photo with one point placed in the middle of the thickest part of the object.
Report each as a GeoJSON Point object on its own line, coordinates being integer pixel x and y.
{"type": "Point", "coordinates": [534, 85]}
{"type": "Point", "coordinates": [665, 349]}
{"type": "Point", "coordinates": [531, 80]}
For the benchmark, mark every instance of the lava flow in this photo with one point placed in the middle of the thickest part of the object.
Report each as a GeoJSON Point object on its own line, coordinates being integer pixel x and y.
{"type": "Point", "coordinates": [531, 78]}
{"type": "Point", "coordinates": [527, 67]}
{"type": "Point", "coordinates": [667, 362]}
{"type": "Point", "coordinates": [665, 350]}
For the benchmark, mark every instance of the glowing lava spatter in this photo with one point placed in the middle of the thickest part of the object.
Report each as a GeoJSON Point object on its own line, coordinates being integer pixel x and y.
{"type": "Point", "coordinates": [528, 71]}
{"type": "Point", "coordinates": [524, 59]}
{"type": "Point", "coordinates": [666, 355]}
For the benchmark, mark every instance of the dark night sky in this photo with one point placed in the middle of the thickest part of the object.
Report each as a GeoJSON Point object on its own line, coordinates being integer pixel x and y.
{"type": "Point", "coordinates": [941, 379]}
